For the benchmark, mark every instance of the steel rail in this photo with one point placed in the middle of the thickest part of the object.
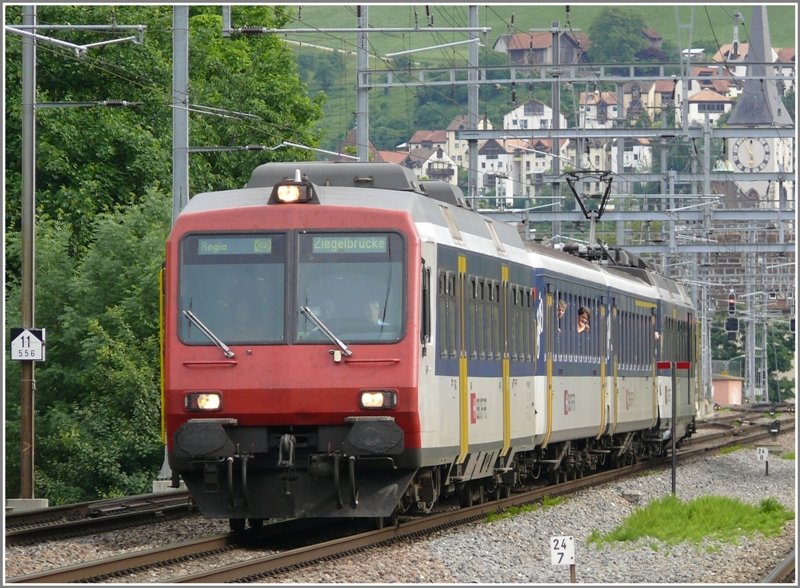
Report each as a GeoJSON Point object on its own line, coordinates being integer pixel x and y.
{"type": "Point", "coordinates": [86, 517]}
{"type": "Point", "coordinates": [783, 573]}
{"type": "Point", "coordinates": [261, 567]}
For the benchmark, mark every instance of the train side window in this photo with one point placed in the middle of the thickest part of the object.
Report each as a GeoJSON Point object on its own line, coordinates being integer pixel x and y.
{"type": "Point", "coordinates": [493, 335]}
{"type": "Point", "coordinates": [524, 326]}
{"type": "Point", "coordinates": [480, 307]}
{"type": "Point", "coordinates": [625, 344]}
{"type": "Point", "coordinates": [641, 346]}
{"type": "Point", "coordinates": [488, 326]}
{"type": "Point", "coordinates": [528, 333]}
{"type": "Point", "coordinates": [452, 314]}
{"type": "Point", "coordinates": [441, 313]}
{"type": "Point", "coordinates": [515, 326]}
{"type": "Point", "coordinates": [591, 333]}
{"type": "Point", "coordinates": [535, 326]}
{"type": "Point", "coordinates": [425, 331]}
{"type": "Point", "coordinates": [472, 309]}
{"type": "Point", "coordinates": [561, 311]}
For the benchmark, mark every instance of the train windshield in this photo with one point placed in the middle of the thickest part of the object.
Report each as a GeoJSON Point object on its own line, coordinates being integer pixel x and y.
{"type": "Point", "coordinates": [353, 282]}
{"type": "Point", "coordinates": [234, 285]}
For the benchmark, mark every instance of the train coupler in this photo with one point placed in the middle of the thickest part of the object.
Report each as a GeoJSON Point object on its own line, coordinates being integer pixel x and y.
{"type": "Point", "coordinates": [286, 451]}
{"type": "Point", "coordinates": [351, 462]}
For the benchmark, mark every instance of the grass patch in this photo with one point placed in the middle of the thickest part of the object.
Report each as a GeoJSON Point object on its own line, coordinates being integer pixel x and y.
{"type": "Point", "coordinates": [729, 449]}
{"type": "Point", "coordinates": [513, 511]}
{"type": "Point", "coordinates": [717, 518]}
{"type": "Point", "coordinates": [788, 455]}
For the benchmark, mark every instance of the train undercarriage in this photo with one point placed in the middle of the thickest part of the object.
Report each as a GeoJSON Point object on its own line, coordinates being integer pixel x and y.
{"type": "Point", "coordinates": [245, 487]}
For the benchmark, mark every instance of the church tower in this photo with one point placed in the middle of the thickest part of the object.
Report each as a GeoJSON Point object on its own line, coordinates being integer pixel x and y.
{"type": "Point", "coordinates": [760, 106]}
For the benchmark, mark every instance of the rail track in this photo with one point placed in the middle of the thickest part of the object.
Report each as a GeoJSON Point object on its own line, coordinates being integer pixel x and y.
{"type": "Point", "coordinates": [345, 539]}
{"type": "Point", "coordinates": [91, 517]}
{"type": "Point", "coordinates": [783, 573]}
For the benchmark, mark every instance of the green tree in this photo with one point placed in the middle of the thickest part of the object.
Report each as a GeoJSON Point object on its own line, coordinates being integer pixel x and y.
{"type": "Point", "coordinates": [616, 36]}
{"type": "Point", "coordinates": [91, 160]}
{"type": "Point", "coordinates": [103, 211]}
{"type": "Point", "coordinates": [97, 395]}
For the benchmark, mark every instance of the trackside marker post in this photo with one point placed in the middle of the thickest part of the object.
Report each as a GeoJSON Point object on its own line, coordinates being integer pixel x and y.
{"type": "Point", "coordinates": [562, 553]}
{"type": "Point", "coordinates": [674, 366]}
{"type": "Point", "coordinates": [763, 455]}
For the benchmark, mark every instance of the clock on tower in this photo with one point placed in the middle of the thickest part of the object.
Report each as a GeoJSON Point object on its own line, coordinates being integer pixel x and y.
{"type": "Point", "coordinates": [750, 155]}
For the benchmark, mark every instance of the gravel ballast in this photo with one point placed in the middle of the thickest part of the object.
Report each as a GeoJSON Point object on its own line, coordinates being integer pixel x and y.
{"type": "Point", "coordinates": [517, 549]}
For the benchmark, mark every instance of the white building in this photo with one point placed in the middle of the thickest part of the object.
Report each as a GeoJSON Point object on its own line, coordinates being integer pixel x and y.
{"type": "Point", "coordinates": [597, 110]}
{"type": "Point", "coordinates": [458, 149]}
{"type": "Point", "coordinates": [432, 164]}
{"type": "Point", "coordinates": [533, 114]}
{"type": "Point", "coordinates": [706, 102]}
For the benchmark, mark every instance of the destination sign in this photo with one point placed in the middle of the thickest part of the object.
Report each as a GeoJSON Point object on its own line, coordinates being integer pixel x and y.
{"type": "Point", "coordinates": [234, 245]}
{"type": "Point", "coordinates": [349, 243]}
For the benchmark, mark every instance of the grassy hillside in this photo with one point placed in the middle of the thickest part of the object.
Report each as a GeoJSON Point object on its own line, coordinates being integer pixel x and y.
{"type": "Point", "coordinates": [708, 22]}
{"type": "Point", "coordinates": [392, 112]}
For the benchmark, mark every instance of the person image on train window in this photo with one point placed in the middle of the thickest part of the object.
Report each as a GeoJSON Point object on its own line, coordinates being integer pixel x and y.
{"type": "Point", "coordinates": [583, 320]}
{"type": "Point", "coordinates": [375, 315]}
{"type": "Point", "coordinates": [560, 312]}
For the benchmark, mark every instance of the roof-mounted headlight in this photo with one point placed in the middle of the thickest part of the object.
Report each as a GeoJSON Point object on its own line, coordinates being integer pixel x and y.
{"type": "Point", "coordinates": [296, 191]}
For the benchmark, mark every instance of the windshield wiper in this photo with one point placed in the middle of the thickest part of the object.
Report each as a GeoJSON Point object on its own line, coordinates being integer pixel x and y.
{"type": "Point", "coordinates": [328, 333]}
{"type": "Point", "coordinates": [207, 332]}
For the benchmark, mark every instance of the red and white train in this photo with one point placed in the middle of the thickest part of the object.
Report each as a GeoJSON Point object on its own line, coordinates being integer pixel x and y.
{"type": "Point", "coordinates": [341, 340]}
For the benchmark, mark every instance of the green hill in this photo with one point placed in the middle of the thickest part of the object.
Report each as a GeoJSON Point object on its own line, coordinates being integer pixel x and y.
{"type": "Point", "coordinates": [707, 22]}
{"type": "Point", "coordinates": [397, 113]}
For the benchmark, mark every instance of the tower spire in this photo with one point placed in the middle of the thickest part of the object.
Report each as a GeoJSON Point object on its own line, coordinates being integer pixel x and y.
{"type": "Point", "coordinates": [759, 104]}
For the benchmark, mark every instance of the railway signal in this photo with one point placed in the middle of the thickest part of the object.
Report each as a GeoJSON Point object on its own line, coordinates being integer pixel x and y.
{"type": "Point", "coordinates": [731, 323]}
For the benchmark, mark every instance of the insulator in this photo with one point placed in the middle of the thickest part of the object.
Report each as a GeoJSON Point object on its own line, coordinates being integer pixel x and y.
{"type": "Point", "coordinates": [251, 30]}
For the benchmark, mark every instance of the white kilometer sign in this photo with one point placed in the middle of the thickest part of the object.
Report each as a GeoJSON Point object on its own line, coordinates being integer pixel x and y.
{"type": "Point", "coordinates": [562, 550]}
{"type": "Point", "coordinates": [27, 344]}
{"type": "Point", "coordinates": [763, 453]}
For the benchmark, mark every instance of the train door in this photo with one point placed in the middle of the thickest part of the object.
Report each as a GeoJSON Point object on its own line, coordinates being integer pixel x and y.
{"type": "Point", "coordinates": [463, 382]}
{"type": "Point", "coordinates": [603, 351]}
{"type": "Point", "coordinates": [505, 357]}
{"type": "Point", "coordinates": [614, 338]}
{"type": "Point", "coordinates": [551, 323]}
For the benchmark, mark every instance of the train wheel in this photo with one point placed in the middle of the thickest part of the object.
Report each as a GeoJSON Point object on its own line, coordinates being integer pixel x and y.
{"type": "Point", "coordinates": [391, 521]}
{"type": "Point", "coordinates": [406, 502]}
{"type": "Point", "coordinates": [237, 525]}
{"type": "Point", "coordinates": [465, 496]}
{"type": "Point", "coordinates": [425, 507]}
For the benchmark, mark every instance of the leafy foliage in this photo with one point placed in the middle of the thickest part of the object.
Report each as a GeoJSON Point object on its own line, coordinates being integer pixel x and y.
{"type": "Point", "coordinates": [93, 159]}
{"type": "Point", "coordinates": [616, 35]}
{"type": "Point", "coordinates": [103, 213]}
{"type": "Point", "coordinates": [97, 395]}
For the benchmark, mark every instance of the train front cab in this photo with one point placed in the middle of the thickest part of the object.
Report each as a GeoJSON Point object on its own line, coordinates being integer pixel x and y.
{"type": "Point", "coordinates": [309, 416]}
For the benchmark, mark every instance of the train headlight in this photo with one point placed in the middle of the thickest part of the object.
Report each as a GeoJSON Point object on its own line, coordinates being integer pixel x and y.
{"type": "Point", "coordinates": [203, 401]}
{"type": "Point", "coordinates": [295, 191]}
{"type": "Point", "coordinates": [378, 399]}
